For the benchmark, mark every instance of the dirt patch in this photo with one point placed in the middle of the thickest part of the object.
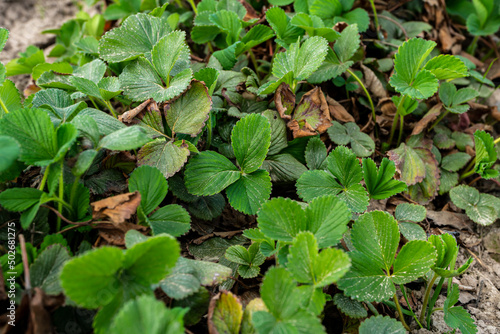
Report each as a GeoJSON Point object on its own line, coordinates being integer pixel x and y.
{"type": "Point", "coordinates": [25, 20]}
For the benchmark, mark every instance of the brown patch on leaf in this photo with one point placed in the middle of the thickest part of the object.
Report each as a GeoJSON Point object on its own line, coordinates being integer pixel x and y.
{"type": "Point", "coordinates": [431, 115]}
{"type": "Point", "coordinates": [338, 112]}
{"type": "Point", "coordinates": [311, 116]}
{"type": "Point", "coordinates": [284, 99]}
{"type": "Point", "coordinates": [225, 313]}
{"type": "Point", "coordinates": [116, 208]}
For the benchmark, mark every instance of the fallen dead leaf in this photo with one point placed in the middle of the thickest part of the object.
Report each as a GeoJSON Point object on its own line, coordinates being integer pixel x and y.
{"type": "Point", "coordinates": [373, 84]}
{"type": "Point", "coordinates": [127, 116]}
{"type": "Point", "coordinates": [338, 112]}
{"type": "Point", "coordinates": [114, 234]}
{"type": "Point", "coordinates": [431, 115]}
{"type": "Point", "coordinates": [116, 208]}
{"type": "Point", "coordinates": [447, 218]}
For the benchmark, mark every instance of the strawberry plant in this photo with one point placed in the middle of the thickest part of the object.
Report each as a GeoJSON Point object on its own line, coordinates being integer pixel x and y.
{"type": "Point", "coordinates": [224, 166]}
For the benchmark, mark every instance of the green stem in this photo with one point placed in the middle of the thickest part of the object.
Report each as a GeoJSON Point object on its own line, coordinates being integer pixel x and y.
{"type": "Point", "coordinates": [485, 74]}
{"type": "Point", "coordinates": [472, 47]}
{"type": "Point", "coordinates": [400, 312]}
{"type": "Point", "coordinates": [191, 2]}
{"type": "Point", "coordinates": [496, 141]}
{"type": "Point", "coordinates": [367, 94]}
{"type": "Point", "coordinates": [401, 127]}
{"type": "Point", "coordinates": [395, 121]}
{"type": "Point", "coordinates": [254, 62]}
{"type": "Point", "coordinates": [93, 102]}
{"type": "Point", "coordinates": [4, 107]}
{"type": "Point", "coordinates": [44, 178]}
{"type": "Point", "coordinates": [61, 196]}
{"type": "Point", "coordinates": [439, 119]}
{"type": "Point", "coordinates": [372, 308]}
{"type": "Point", "coordinates": [468, 170]}
{"type": "Point", "coordinates": [403, 290]}
{"type": "Point", "coordinates": [437, 309]}
{"type": "Point", "coordinates": [375, 17]}
{"type": "Point", "coordinates": [434, 298]}
{"type": "Point", "coordinates": [110, 107]}
{"type": "Point", "coordinates": [426, 297]}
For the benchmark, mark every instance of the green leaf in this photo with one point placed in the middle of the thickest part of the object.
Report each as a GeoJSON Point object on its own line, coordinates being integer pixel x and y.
{"type": "Point", "coordinates": [146, 314]}
{"type": "Point", "coordinates": [408, 163]}
{"type": "Point", "coordinates": [486, 154]}
{"type": "Point", "coordinates": [229, 23]}
{"type": "Point", "coordinates": [4, 35]}
{"type": "Point", "coordinates": [172, 219]}
{"type": "Point", "coordinates": [225, 313]}
{"type": "Point", "coordinates": [447, 67]}
{"type": "Point", "coordinates": [347, 44]}
{"type": "Point", "coordinates": [315, 153]}
{"type": "Point", "coordinates": [188, 275]}
{"type": "Point", "coordinates": [381, 324]}
{"type": "Point", "coordinates": [9, 152]}
{"type": "Point", "coordinates": [28, 59]}
{"type": "Point", "coordinates": [283, 168]}
{"type": "Point", "coordinates": [361, 143]}
{"type": "Point", "coordinates": [45, 270]}
{"type": "Point", "coordinates": [314, 26]}
{"type": "Point", "coordinates": [249, 192]}
{"type": "Point", "coordinates": [10, 98]}
{"type": "Point", "coordinates": [251, 138]}
{"type": "Point", "coordinates": [249, 260]}
{"type": "Point", "coordinates": [255, 36]}
{"type": "Point", "coordinates": [86, 278]}
{"type": "Point", "coordinates": [35, 133]}
{"type": "Point", "coordinates": [351, 308]}
{"type": "Point", "coordinates": [152, 186]}
{"type": "Point", "coordinates": [59, 104]}
{"type": "Point", "coordinates": [410, 212]}
{"type": "Point", "coordinates": [413, 261]}
{"type": "Point", "coordinates": [150, 261]}
{"type": "Point", "coordinates": [209, 173]}
{"type": "Point", "coordinates": [59, 67]}
{"type": "Point", "coordinates": [167, 156]}
{"type": "Point", "coordinates": [408, 79]}
{"type": "Point", "coordinates": [455, 161]}
{"type": "Point", "coordinates": [380, 182]}
{"type": "Point", "coordinates": [286, 33]}
{"type": "Point", "coordinates": [483, 209]}
{"type": "Point", "coordinates": [135, 37]}
{"type": "Point", "coordinates": [301, 60]}
{"type": "Point", "coordinates": [457, 317]}
{"type": "Point", "coordinates": [125, 139]}
{"type": "Point", "coordinates": [188, 113]}
{"type": "Point", "coordinates": [140, 81]}
{"type": "Point", "coordinates": [309, 266]}
{"type": "Point", "coordinates": [209, 77]}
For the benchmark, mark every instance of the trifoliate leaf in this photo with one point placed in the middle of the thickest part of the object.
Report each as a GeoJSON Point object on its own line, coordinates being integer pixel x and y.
{"type": "Point", "coordinates": [225, 313]}
{"type": "Point", "coordinates": [147, 314]}
{"type": "Point", "coordinates": [351, 308]}
{"type": "Point", "coordinates": [446, 67]}
{"type": "Point", "coordinates": [249, 192]}
{"type": "Point", "coordinates": [125, 139]}
{"type": "Point", "coordinates": [249, 259]}
{"type": "Point", "coordinates": [46, 268]}
{"type": "Point", "coordinates": [59, 104]}
{"type": "Point", "coordinates": [483, 209]}
{"type": "Point", "coordinates": [408, 79]}
{"type": "Point", "coordinates": [381, 324]}
{"type": "Point", "coordinates": [380, 182]}
{"type": "Point", "coordinates": [251, 138]}
{"type": "Point", "coordinates": [375, 236]}
{"type": "Point", "coordinates": [10, 98]}
{"type": "Point", "coordinates": [172, 219]}
{"type": "Point", "coordinates": [309, 266]}
{"type": "Point", "coordinates": [151, 185]}
{"type": "Point", "coordinates": [349, 133]}
{"type": "Point", "coordinates": [209, 173]}
{"type": "Point", "coordinates": [167, 156]}
{"type": "Point", "coordinates": [135, 37]}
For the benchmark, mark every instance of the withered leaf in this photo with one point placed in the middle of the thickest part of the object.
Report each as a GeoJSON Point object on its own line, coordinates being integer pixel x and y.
{"type": "Point", "coordinates": [373, 84]}
{"type": "Point", "coordinates": [127, 116]}
{"type": "Point", "coordinates": [338, 112]}
{"type": "Point", "coordinates": [311, 116]}
{"type": "Point", "coordinates": [114, 234]}
{"type": "Point", "coordinates": [225, 313]}
{"type": "Point", "coordinates": [285, 101]}
{"type": "Point", "coordinates": [431, 115]}
{"type": "Point", "coordinates": [116, 208]}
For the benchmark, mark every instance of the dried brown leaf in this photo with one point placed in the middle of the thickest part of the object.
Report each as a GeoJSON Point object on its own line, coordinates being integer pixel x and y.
{"type": "Point", "coordinates": [373, 84]}
{"type": "Point", "coordinates": [338, 112]}
{"type": "Point", "coordinates": [431, 115]}
{"type": "Point", "coordinates": [284, 99]}
{"type": "Point", "coordinates": [116, 208]}
{"type": "Point", "coordinates": [311, 116]}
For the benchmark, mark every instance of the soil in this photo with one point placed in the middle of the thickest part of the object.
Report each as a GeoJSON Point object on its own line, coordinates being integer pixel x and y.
{"type": "Point", "coordinates": [480, 286]}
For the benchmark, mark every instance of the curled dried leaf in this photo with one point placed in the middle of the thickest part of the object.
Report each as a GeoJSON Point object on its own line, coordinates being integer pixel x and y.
{"type": "Point", "coordinates": [311, 116]}
{"type": "Point", "coordinates": [338, 112]}
{"type": "Point", "coordinates": [431, 115]}
{"type": "Point", "coordinates": [116, 208]}
{"type": "Point", "coordinates": [285, 101]}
